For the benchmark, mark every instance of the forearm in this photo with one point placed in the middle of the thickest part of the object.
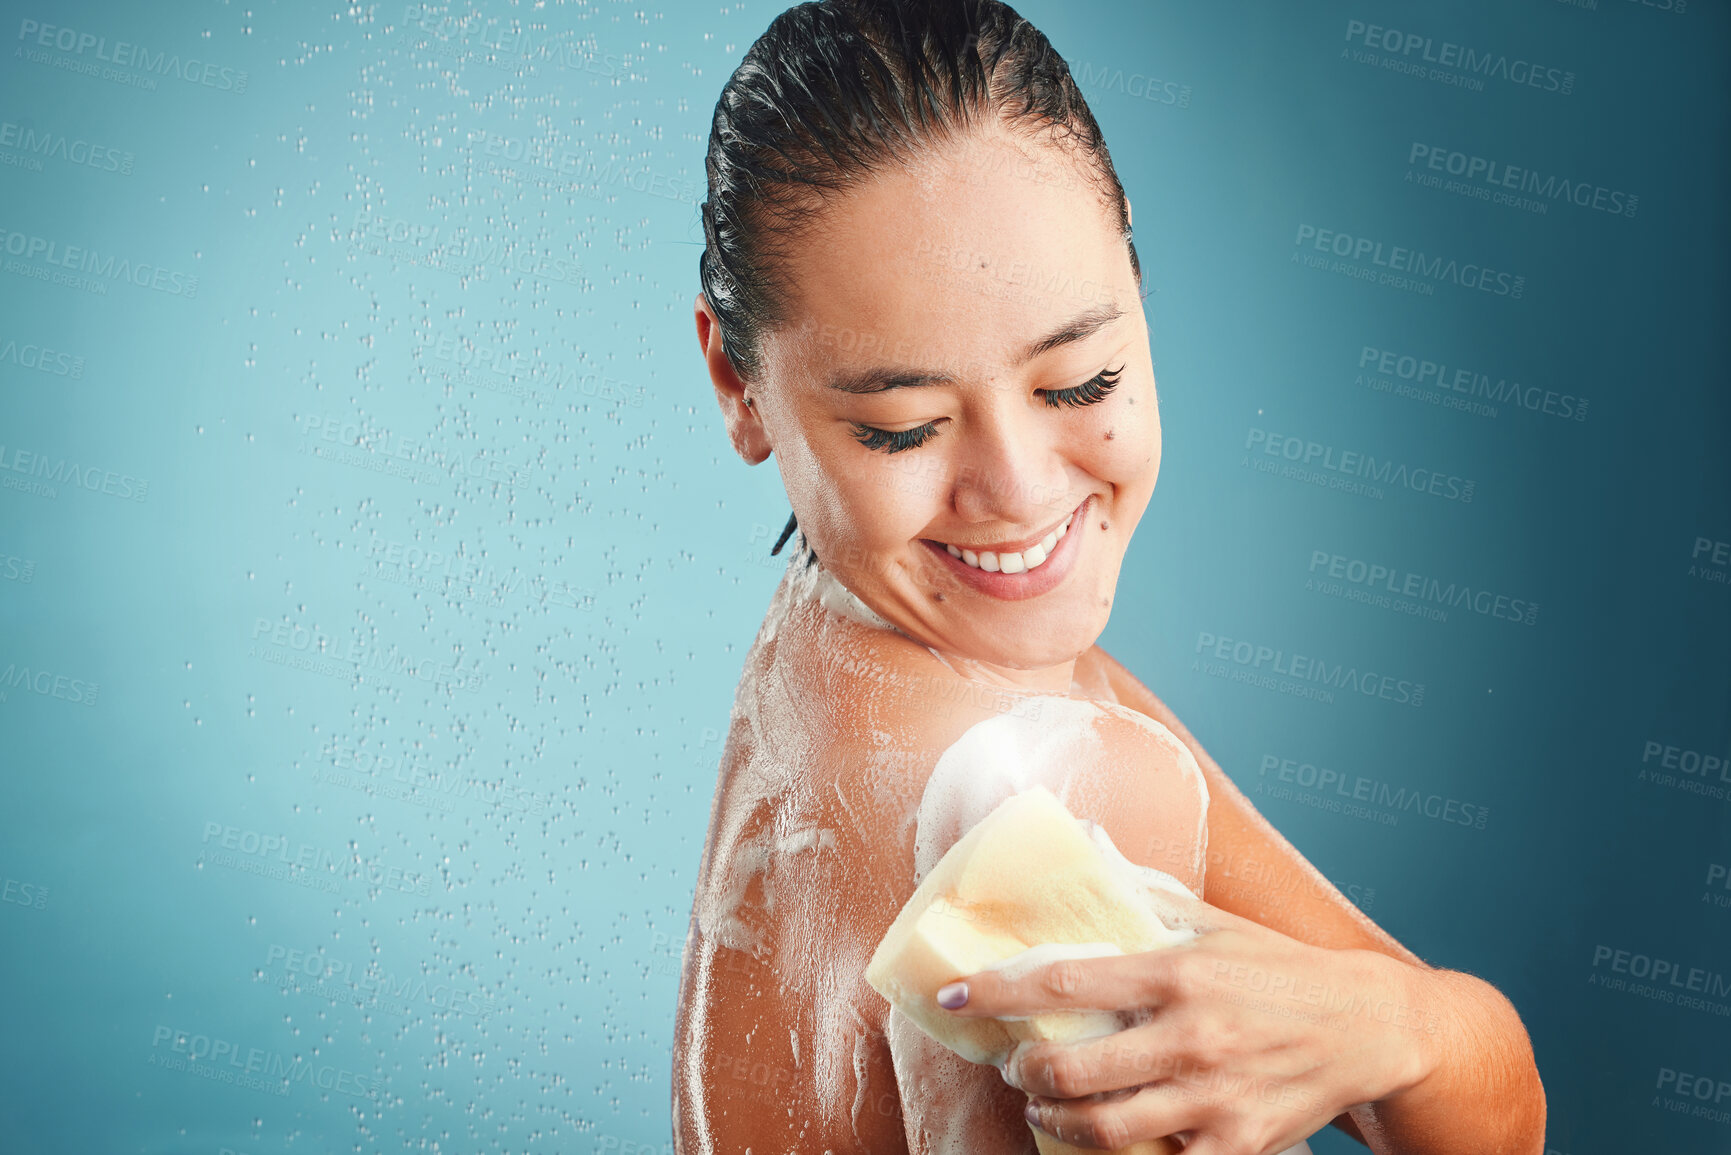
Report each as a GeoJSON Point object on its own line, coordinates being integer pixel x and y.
{"type": "Point", "coordinates": [1478, 1090]}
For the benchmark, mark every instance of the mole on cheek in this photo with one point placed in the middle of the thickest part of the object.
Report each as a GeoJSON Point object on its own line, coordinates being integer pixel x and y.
{"type": "Point", "coordinates": [1110, 434]}
{"type": "Point", "coordinates": [1105, 525]}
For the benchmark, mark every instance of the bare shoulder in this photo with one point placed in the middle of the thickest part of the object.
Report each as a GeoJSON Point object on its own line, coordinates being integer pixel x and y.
{"type": "Point", "coordinates": [1253, 870]}
{"type": "Point", "coordinates": [780, 1043]}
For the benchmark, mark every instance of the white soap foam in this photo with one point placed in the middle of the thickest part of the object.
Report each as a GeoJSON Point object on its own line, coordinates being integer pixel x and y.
{"type": "Point", "coordinates": [769, 855]}
{"type": "Point", "coordinates": [1057, 745]}
{"type": "Point", "coordinates": [998, 757]}
{"type": "Point", "coordinates": [1053, 742]}
{"type": "Point", "coordinates": [809, 580]}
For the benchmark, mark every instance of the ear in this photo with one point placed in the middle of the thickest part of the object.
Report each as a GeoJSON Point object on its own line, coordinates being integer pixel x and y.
{"type": "Point", "coordinates": [1129, 213]}
{"type": "Point", "coordinates": [745, 426]}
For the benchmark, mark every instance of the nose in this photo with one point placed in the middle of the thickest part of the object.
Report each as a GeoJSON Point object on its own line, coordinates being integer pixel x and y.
{"type": "Point", "coordinates": [1011, 470]}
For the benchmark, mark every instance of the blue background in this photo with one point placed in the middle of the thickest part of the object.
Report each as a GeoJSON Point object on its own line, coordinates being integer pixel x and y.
{"type": "Point", "coordinates": [369, 613]}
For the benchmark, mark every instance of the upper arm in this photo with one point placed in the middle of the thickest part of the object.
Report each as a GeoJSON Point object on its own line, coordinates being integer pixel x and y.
{"type": "Point", "coordinates": [1253, 871]}
{"type": "Point", "coordinates": [779, 1045]}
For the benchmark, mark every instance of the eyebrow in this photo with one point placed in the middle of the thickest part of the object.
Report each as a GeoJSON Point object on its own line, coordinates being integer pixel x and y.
{"type": "Point", "coordinates": [880, 379]}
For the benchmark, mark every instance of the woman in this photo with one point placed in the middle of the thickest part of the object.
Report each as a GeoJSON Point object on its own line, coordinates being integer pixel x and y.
{"type": "Point", "coordinates": [921, 296]}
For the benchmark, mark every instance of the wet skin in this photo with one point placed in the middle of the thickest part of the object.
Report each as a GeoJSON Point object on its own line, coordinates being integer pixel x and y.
{"type": "Point", "coordinates": [950, 273]}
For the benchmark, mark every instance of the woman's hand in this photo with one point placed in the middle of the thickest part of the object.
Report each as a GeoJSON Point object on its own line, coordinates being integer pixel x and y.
{"type": "Point", "coordinates": [1246, 1040]}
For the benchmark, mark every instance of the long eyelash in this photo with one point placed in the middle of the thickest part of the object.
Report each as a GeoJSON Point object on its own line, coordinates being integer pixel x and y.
{"type": "Point", "coordinates": [1087, 393]}
{"type": "Point", "coordinates": [893, 442]}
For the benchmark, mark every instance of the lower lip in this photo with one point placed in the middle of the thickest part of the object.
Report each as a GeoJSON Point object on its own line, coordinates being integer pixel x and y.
{"type": "Point", "coordinates": [1013, 587]}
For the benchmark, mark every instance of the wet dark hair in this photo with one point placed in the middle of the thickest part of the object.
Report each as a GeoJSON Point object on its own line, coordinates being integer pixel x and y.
{"type": "Point", "coordinates": [833, 92]}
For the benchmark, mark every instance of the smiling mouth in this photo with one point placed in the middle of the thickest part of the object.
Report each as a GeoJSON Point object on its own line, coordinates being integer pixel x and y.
{"type": "Point", "coordinates": [1027, 558]}
{"type": "Point", "coordinates": [1012, 561]}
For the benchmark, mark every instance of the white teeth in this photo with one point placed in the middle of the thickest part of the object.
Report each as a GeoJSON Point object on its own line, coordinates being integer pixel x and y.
{"type": "Point", "coordinates": [1030, 558]}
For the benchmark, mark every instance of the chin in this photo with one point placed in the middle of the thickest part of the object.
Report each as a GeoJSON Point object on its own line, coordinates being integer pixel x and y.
{"type": "Point", "coordinates": [1022, 656]}
{"type": "Point", "coordinates": [1034, 634]}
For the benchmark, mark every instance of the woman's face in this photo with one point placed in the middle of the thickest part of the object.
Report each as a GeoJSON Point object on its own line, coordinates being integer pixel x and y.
{"type": "Point", "coordinates": [969, 368]}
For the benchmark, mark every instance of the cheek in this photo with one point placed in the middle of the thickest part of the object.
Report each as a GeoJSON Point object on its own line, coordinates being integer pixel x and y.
{"type": "Point", "coordinates": [868, 507]}
{"type": "Point", "coordinates": [1123, 446]}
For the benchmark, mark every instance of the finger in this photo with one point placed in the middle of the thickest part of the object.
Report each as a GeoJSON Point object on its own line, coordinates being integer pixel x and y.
{"type": "Point", "coordinates": [1127, 1059]}
{"type": "Point", "coordinates": [1183, 911]}
{"type": "Point", "coordinates": [1113, 1123]}
{"type": "Point", "coordinates": [1244, 1114]}
{"type": "Point", "coordinates": [1111, 983]}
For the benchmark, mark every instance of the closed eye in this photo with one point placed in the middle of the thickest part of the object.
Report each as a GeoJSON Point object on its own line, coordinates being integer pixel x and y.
{"type": "Point", "coordinates": [1093, 390]}
{"type": "Point", "coordinates": [1089, 392]}
{"type": "Point", "coordinates": [896, 441]}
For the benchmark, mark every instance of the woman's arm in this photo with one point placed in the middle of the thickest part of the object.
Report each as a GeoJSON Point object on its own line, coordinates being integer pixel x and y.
{"type": "Point", "coordinates": [1457, 1068]}
{"type": "Point", "coordinates": [1480, 1057]}
{"type": "Point", "coordinates": [779, 1044]}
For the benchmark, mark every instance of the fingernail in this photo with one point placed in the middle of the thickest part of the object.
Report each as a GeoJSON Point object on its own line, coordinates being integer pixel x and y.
{"type": "Point", "coordinates": [952, 996]}
{"type": "Point", "coordinates": [1031, 1113]}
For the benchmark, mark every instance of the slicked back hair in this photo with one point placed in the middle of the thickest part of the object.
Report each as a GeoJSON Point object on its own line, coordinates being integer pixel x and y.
{"type": "Point", "coordinates": [838, 90]}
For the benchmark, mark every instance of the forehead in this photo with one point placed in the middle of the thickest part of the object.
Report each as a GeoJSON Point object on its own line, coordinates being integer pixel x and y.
{"type": "Point", "coordinates": [954, 262]}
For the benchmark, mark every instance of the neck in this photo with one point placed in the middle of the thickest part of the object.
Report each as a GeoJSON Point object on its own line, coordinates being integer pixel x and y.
{"type": "Point", "coordinates": [811, 580]}
{"type": "Point", "coordinates": [1058, 679]}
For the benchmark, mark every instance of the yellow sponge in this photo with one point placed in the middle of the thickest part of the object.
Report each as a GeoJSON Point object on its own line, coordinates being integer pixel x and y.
{"type": "Point", "coordinates": [1024, 887]}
